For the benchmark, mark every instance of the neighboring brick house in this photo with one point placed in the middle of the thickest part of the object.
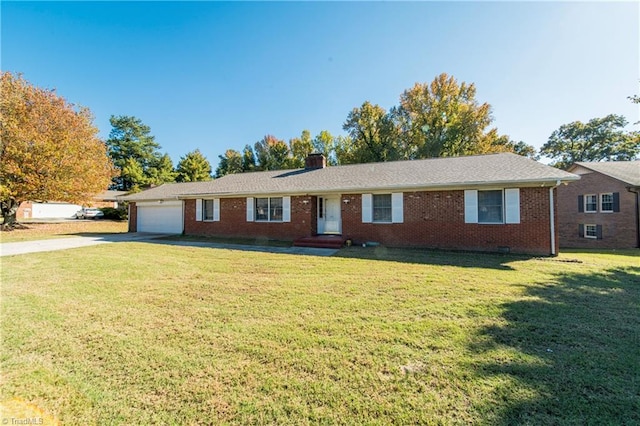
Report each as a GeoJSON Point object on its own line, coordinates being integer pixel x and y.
{"type": "Point", "coordinates": [500, 202]}
{"type": "Point", "coordinates": [601, 209]}
{"type": "Point", "coordinates": [59, 210]}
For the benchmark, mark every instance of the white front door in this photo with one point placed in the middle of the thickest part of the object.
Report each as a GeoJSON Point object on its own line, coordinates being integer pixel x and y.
{"type": "Point", "coordinates": [329, 221]}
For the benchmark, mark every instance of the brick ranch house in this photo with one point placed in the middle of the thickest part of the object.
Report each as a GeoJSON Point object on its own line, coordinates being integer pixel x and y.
{"type": "Point", "coordinates": [499, 202]}
{"type": "Point", "coordinates": [601, 210]}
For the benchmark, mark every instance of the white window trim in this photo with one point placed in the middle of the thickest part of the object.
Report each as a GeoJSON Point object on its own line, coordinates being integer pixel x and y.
{"type": "Point", "coordinates": [585, 203]}
{"type": "Point", "coordinates": [250, 209]}
{"type": "Point", "coordinates": [286, 210]}
{"type": "Point", "coordinates": [600, 202]}
{"type": "Point", "coordinates": [510, 206]}
{"type": "Point", "coordinates": [595, 228]}
{"type": "Point", "coordinates": [216, 209]}
{"type": "Point", "coordinates": [471, 206]}
{"type": "Point", "coordinates": [199, 210]}
{"type": "Point", "coordinates": [397, 208]}
{"type": "Point", "coordinates": [367, 208]}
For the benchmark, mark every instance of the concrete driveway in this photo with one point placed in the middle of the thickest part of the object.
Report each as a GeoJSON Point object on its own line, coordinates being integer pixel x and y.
{"type": "Point", "coordinates": [12, 249]}
{"type": "Point", "coordinates": [23, 247]}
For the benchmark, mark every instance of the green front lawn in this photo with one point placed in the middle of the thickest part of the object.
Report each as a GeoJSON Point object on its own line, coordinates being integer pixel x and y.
{"type": "Point", "coordinates": [146, 333]}
{"type": "Point", "coordinates": [30, 231]}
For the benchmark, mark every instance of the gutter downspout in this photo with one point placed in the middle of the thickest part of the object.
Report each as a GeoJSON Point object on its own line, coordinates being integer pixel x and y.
{"type": "Point", "coordinates": [552, 222]}
{"type": "Point", "coordinates": [129, 226]}
{"type": "Point", "coordinates": [184, 215]}
{"type": "Point", "coordinates": [636, 190]}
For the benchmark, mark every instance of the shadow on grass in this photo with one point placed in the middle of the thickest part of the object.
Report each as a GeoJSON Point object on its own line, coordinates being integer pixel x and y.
{"type": "Point", "coordinates": [220, 240]}
{"type": "Point", "coordinates": [433, 257]}
{"type": "Point", "coordinates": [568, 354]}
{"type": "Point", "coordinates": [93, 234]}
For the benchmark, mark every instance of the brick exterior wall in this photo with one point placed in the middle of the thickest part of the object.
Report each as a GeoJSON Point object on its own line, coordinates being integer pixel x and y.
{"type": "Point", "coordinates": [25, 210]}
{"type": "Point", "coordinates": [233, 221]}
{"type": "Point", "coordinates": [433, 219]}
{"type": "Point", "coordinates": [133, 217]}
{"type": "Point", "coordinates": [619, 229]}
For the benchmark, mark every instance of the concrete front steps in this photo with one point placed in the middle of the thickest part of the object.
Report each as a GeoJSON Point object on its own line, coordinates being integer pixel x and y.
{"type": "Point", "coordinates": [321, 241]}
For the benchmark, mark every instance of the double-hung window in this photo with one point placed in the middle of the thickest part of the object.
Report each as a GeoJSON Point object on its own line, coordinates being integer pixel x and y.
{"type": "Point", "coordinates": [590, 203]}
{"type": "Point", "coordinates": [207, 213]}
{"type": "Point", "coordinates": [590, 231]}
{"type": "Point", "coordinates": [208, 210]}
{"type": "Point", "coordinates": [606, 202]}
{"type": "Point", "coordinates": [490, 206]}
{"type": "Point", "coordinates": [269, 209]}
{"type": "Point", "coordinates": [381, 207]}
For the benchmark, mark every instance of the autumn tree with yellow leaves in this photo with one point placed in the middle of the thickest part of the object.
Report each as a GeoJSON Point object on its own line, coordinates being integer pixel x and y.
{"type": "Point", "coordinates": [49, 149]}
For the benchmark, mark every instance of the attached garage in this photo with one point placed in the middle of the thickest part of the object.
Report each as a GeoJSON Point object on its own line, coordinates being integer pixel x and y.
{"type": "Point", "coordinates": [160, 216]}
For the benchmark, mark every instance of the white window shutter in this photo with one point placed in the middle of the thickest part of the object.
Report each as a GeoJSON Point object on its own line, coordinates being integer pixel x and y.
{"type": "Point", "coordinates": [250, 209]}
{"type": "Point", "coordinates": [397, 207]}
{"type": "Point", "coordinates": [286, 209]}
{"type": "Point", "coordinates": [470, 206]}
{"type": "Point", "coordinates": [216, 209]}
{"type": "Point", "coordinates": [199, 210]}
{"type": "Point", "coordinates": [512, 205]}
{"type": "Point", "coordinates": [367, 208]}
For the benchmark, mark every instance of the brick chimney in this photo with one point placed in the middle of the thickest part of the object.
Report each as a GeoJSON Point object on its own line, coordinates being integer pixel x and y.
{"type": "Point", "coordinates": [315, 161]}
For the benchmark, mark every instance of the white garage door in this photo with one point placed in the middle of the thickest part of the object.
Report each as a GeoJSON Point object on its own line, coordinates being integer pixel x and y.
{"type": "Point", "coordinates": [165, 217]}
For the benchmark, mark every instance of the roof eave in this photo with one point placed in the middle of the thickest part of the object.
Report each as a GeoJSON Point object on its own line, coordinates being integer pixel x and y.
{"type": "Point", "coordinates": [608, 174]}
{"type": "Point", "coordinates": [546, 182]}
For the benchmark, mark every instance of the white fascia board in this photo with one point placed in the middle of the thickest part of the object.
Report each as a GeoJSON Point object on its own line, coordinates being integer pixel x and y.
{"type": "Point", "coordinates": [386, 189]}
{"type": "Point", "coordinates": [449, 187]}
{"type": "Point", "coordinates": [157, 203]}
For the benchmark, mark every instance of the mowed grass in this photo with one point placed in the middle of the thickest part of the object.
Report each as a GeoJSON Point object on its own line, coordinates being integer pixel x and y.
{"type": "Point", "coordinates": [38, 231]}
{"type": "Point", "coordinates": [134, 333]}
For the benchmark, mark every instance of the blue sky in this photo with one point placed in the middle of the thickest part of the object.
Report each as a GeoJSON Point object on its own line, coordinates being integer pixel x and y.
{"type": "Point", "coordinates": [219, 75]}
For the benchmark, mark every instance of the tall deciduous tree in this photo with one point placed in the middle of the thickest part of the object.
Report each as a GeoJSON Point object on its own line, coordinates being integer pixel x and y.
{"type": "Point", "coordinates": [193, 167]}
{"type": "Point", "coordinates": [230, 163]}
{"type": "Point", "coordinates": [524, 149]}
{"type": "Point", "coordinates": [272, 153]}
{"type": "Point", "coordinates": [300, 148]}
{"type": "Point", "coordinates": [373, 135]}
{"type": "Point", "coordinates": [600, 139]}
{"type": "Point", "coordinates": [344, 150]}
{"type": "Point", "coordinates": [325, 144]}
{"type": "Point", "coordinates": [443, 119]}
{"type": "Point", "coordinates": [130, 139]}
{"type": "Point", "coordinates": [248, 159]}
{"type": "Point", "coordinates": [49, 150]}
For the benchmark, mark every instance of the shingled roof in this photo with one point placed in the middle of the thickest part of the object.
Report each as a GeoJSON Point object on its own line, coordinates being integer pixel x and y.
{"type": "Point", "coordinates": [504, 169]}
{"type": "Point", "coordinates": [625, 171]}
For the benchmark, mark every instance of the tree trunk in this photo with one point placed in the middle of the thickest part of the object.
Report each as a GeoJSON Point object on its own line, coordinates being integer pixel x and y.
{"type": "Point", "coordinates": [9, 208]}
